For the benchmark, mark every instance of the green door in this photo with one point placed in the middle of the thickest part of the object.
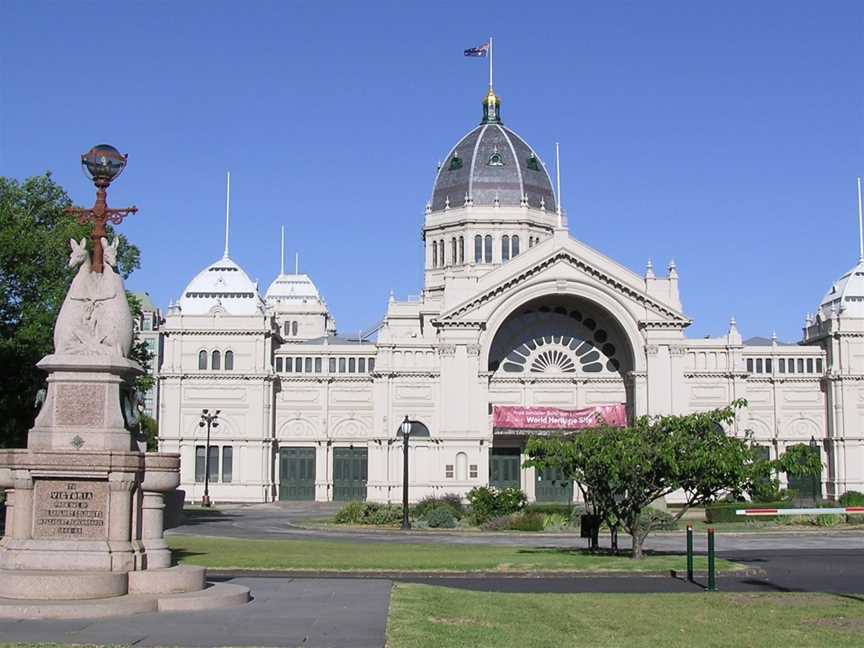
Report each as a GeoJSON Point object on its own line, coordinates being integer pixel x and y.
{"type": "Point", "coordinates": [296, 473]}
{"type": "Point", "coordinates": [350, 471]}
{"type": "Point", "coordinates": [551, 487]}
{"type": "Point", "coordinates": [504, 468]}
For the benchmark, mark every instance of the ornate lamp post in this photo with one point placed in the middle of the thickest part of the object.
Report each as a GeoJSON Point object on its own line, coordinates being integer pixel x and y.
{"type": "Point", "coordinates": [405, 428]}
{"type": "Point", "coordinates": [210, 420]}
{"type": "Point", "coordinates": [102, 164]}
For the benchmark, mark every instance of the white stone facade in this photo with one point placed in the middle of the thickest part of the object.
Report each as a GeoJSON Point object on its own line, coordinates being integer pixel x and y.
{"type": "Point", "coordinates": [514, 311]}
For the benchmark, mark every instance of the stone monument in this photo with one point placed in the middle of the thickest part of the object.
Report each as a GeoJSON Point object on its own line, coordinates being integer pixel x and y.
{"type": "Point", "coordinates": [85, 501]}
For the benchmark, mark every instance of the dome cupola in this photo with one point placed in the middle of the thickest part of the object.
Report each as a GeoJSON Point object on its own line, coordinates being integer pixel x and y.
{"type": "Point", "coordinates": [846, 296]}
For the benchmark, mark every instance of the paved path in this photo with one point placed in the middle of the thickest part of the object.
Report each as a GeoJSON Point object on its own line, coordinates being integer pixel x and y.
{"type": "Point", "coordinates": [285, 520]}
{"type": "Point", "coordinates": [285, 612]}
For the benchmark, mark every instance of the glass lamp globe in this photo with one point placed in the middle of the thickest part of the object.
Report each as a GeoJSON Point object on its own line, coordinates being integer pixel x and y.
{"type": "Point", "coordinates": [103, 163]}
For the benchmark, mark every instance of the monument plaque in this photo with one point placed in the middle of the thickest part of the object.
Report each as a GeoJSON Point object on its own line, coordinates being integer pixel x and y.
{"type": "Point", "coordinates": [70, 509]}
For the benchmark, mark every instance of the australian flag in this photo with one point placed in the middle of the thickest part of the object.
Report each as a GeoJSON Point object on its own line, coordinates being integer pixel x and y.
{"type": "Point", "coordinates": [483, 50]}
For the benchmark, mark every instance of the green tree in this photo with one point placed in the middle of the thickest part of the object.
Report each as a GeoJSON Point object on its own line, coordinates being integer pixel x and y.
{"type": "Point", "coordinates": [623, 470]}
{"type": "Point", "coordinates": [34, 278]}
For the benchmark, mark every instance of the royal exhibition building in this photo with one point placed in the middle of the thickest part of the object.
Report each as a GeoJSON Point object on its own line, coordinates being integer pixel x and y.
{"type": "Point", "coordinates": [520, 328]}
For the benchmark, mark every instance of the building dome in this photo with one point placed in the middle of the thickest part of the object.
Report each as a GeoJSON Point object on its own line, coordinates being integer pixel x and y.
{"type": "Point", "coordinates": [492, 162]}
{"type": "Point", "coordinates": [292, 289]}
{"type": "Point", "coordinates": [222, 284]}
{"type": "Point", "coordinates": [846, 296]}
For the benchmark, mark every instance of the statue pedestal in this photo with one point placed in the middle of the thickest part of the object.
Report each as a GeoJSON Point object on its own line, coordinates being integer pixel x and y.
{"type": "Point", "coordinates": [85, 507]}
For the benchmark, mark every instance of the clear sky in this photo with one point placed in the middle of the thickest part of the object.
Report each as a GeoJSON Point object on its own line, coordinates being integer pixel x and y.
{"type": "Point", "coordinates": [725, 134]}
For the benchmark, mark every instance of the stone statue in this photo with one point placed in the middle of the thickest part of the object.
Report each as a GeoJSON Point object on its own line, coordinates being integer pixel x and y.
{"type": "Point", "coordinates": [95, 317]}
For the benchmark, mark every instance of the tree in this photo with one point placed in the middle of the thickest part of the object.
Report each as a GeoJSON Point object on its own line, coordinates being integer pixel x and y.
{"type": "Point", "coordinates": [625, 469]}
{"type": "Point", "coordinates": [34, 278]}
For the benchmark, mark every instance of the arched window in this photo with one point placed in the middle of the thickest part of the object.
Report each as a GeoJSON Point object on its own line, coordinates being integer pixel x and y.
{"type": "Point", "coordinates": [461, 466]}
{"type": "Point", "coordinates": [461, 250]}
{"type": "Point", "coordinates": [514, 246]}
{"type": "Point", "coordinates": [287, 328]}
{"type": "Point", "coordinates": [441, 253]}
{"type": "Point", "coordinates": [216, 360]}
{"type": "Point", "coordinates": [453, 251]}
{"type": "Point", "coordinates": [229, 361]}
{"type": "Point", "coordinates": [202, 360]}
{"type": "Point", "coordinates": [434, 254]}
{"type": "Point", "coordinates": [487, 249]}
{"type": "Point", "coordinates": [505, 248]}
{"type": "Point", "coordinates": [478, 249]}
{"type": "Point", "coordinates": [294, 328]}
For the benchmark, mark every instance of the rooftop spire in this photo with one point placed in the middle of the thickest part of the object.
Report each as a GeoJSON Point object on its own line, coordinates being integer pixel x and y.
{"type": "Point", "coordinates": [227, 209]}
{"type": "Point", "coordinates": [558, 186]}
{"type": "Point", "coordinates": [491, 103]}
{"type": "Point", "coordinates": [860, 225]}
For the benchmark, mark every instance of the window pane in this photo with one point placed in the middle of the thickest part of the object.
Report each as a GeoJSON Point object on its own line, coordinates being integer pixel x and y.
{"type": "Point", "coordinates": [331, 365]}
{"type": "Point", "coordinates": [307, 365]}
{"type": "Point", "coordinates": [809, 365]}
{"type": "Point", "coordinates": [341, 365]}
{"type": "Point", "coordinates": [791, 365]}
{"type": "Point", "coordinates": [216, 360]}
{"type": "Point", "coordinates": [514, 246]}
{"type": "Point", "coordinates": [289, 365]}
{"type": "Point", "coordinates": [278, 365]}
{"type": "Point", "coordinates": [227, 464]}
{"type": "Point", "coordinates": [361, 365]}
{"type": "Point", "coordinates": [229, 360]}
{"type": "Point", "coordinates": [441, 253]}
{"type": "Point", "coordinates": [478, 249]}
{"type": "Point", "coordinates": [199, 463]}
{"type": "Point", "coordinates": [352, 365]}
{"type": "Point", "coordinates": [453, 256]}
{"type": "Point", "coordinates": [294, 328]}
{"type": "Point", "coordinates": [317, 365]}
{"type": "Point", "coordinates": [202, 360]}
{"type": "Point", "coordinates": [487, 249]}
{"type": "Point", "coordinates": [767, 365]}
{"type": "Point", "coordinates": [781, 365]}
{"type": "Point", "coordinates": [759, 365]}
{"type": "Point", "coordinates": [505, 248]}
{"type": "Point", "coordinates": [461, 250]}
{"type": "Point", "coordinates": [750, 365]}
{"type": "Point", "coordinates": [298, 365]}
{"type": "Point", "coordinates": [434, 254]}
{"type": "Point", "coordinates": [287, 329]}
{"type": "Point", "coordinates": [800, 365]}
{"type": "Point", "coordinates": [819, 365]}
{"type": "Point", "coordinates": [214, 463]}
{"type": "Point", "coordinates": [371, 364]}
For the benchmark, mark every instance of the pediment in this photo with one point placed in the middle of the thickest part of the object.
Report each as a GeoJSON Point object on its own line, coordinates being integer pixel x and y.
{"type": "Point", "coordinates": [564, 263]}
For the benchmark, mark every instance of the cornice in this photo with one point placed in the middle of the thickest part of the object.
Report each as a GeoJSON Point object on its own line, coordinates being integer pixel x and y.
{"type": "Point", "coordinates": [729, 375]}
{"type": "Point", "coordinates": [222, 332]}
{"type": "Point", "coordinates": [560, 380]}
{"type": "Point", "coordinates": [220, 377]}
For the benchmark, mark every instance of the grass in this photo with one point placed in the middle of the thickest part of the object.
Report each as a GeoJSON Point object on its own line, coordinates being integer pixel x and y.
{"type": "Point", "coordinates": [225, 553]}
{"type": "Point", "coordinates": [426, 616]}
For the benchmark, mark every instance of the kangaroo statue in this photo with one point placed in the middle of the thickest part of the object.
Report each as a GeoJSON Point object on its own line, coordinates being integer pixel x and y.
{"type": "Point", "coordinates": [74, 331]}
{"type": "Point", "coordinates": [113, 320]}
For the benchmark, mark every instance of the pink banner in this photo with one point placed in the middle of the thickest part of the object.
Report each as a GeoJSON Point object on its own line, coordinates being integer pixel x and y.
{"type": "Point", "coordinates": [550, 418]}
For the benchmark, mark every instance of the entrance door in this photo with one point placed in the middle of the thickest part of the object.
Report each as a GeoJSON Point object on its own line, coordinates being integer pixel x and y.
{"type": "Point", "coordinates": [350, 472]}
{"type": "Point", "coordinates": [296, 473]}
{"type": "Point", "coordinates": [504, 468]}
{"type": "Point", "coordinates": [550, 486]}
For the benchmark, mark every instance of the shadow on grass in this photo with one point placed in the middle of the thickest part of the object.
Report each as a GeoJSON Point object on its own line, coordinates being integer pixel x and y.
{"type": "Point", "coordinates": [192, 517]}
{"type": "Point", "coordinates": [180, 554]}
{"type": "Point", "coordinates": [581, 551]}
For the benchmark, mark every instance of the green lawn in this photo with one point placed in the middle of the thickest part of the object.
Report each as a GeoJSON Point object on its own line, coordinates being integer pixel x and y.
{"type": "Point", "coordinates": [425, 616]}
{"type": "Point", "coordinates": [227, 553]}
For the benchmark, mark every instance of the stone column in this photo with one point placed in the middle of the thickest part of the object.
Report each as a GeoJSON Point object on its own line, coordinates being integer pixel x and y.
{"type": "Point", "coordinates": [152, 528]}
{"type": "Point", "coordinates": [22, 522]}
{"type": "Point", "coordinates": [120, 522]}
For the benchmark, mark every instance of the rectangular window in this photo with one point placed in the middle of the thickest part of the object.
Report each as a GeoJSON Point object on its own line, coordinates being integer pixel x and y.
{"type": "Point", "coordinates": [278, 365]}
{"type": "Point", "coordinates": [758, 365]}
{"type": "Point", "coordinates": [214, 463]}
{"type": "Point", "coordinates": [448, 471]}
{"type": "Point", "coordinates": [800, 365]}
{"type": "Point", "coordinates": [361, 365]}
{"type": "Point", "coordinates": [227, 464]}
{"type": "Point", "coordinates": [317, 365]}
{"type": "Point", "coordinates": [199, 463]}
{"type": "Point", "coordinates": [331, 365]}
{"type": "Point", "coordinates": [371, 365]}
{"type": "Point", "coordinates": [781, 365]}
{"type": "Point", "coordinates": [472, 471]}
{"type": "Point", "coordinates": [790, 365]}
{"type": "Point", "coordinates": [307, 365]}
{"type": "Point", "coordinates": [819, 365]}
{"type": "Point", "coordinates": [478, 249]}
{"type": "Point", "coordinates": [767, 365]}
{"type": "Point", "coordinates": [289, 365]}
{"type": "Point", "coordinates": [341, 365]}
{"type": "Point", "coordinates": [352, 365]}
{"type": "Point", "coordinates": [298, 365]}
{"type": "Point", "coordinates": [750, 365]}
{"type": "Point", "coordinates": [809, 365]}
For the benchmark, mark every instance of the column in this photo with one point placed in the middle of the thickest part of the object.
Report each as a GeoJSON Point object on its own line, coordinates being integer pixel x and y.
{"type": "Point", "coordinates": [158, 555]}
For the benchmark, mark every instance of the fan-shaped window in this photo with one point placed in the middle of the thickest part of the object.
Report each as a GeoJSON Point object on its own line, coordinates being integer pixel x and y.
{"type": "Point", "coordinates": [229, 360]}
{"type": "Point", "coordinates": [514, 246]}
{"type": "Point", "coordinates": [202, 360]}
{"type": "Point", "coordinates": [505, 248]}
{"type": "Point", "coordinates": [478, 249]}
{"type": "Point", "coordinates": [216, 360]}
{"type": "Point", "coordinates": [461, 250]}
{"type": "Point", "coordinates": [487, 249]}
{"type": "Point", "coordinates": [496, 160]}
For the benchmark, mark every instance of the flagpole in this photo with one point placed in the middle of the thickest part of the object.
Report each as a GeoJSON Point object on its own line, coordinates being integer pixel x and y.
{"type": "Point", "coordinates": [490, 62]}
{"type": "Point", "coordinates": [558, 185]}
{"type": "Point", "coordinates": [860, 225]}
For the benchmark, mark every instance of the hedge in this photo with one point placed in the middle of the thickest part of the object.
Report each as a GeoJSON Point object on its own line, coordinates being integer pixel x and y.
{"type": "Point", "coordinates": [725, 511]}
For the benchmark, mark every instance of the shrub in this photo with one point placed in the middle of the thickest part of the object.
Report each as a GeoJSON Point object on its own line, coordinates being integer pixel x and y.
{"type": "Point", "coordinates": [553, 521]}
{"type": "Point", "coordinates": [440, 517]}
{"type": "Point", "coordinates": [549, 509]}
{"type": "Point", "coordinates": [498, 523]}
{"type": "Point", "coordinates": [383, 515]}
{"type": "Point", "coordinates": [527, 522]}
{"type": "Point", "coordinates": [450, 500]}
{"type": "Point", "coordinates": [368, 513]}
{"type": "Point", "coordinates": [852, 498]}
{"type": "Point", "coordinates": [657, 520]}
{"type": "Point", "coordinates": [488, 502]}
{"type": "Point", "coordinates": [351, 513]}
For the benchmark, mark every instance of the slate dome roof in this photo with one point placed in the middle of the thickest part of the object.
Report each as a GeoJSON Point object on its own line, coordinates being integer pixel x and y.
{"type": "Point", "coordinates": [492, 161]}
{"type": "Point", "coordinates": [292, 288]}
{"type": "Point", "coordinates": [846, 295]}
{"type": "Point", "coordinates": [222, 283]}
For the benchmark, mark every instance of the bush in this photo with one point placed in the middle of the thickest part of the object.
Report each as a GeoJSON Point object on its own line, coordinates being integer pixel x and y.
{"type": "Point", "coordinates": [527, 522]}
{"type": "Point", "coordinates": [450, 500]}
{"type": "Point", "coordinates": [499, 523]}
{"type": "Point", "coordinates": [550, 509]}
{"type": "Point", "coordinates": [368, 513]}
{"type": "Point", "coordinates": [554, 521]}
{"type": "Point", "coordinates": [440, 517]}
{"type": "Point", "coordinates": [657, 520]}
{"type": "Point", "coordinates": [852, 498]}
{"type": "Point", "coordinates": [489, 502]}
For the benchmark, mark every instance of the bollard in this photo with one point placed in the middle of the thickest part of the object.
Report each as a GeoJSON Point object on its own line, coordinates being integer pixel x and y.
{"type": "Point", "coordinates": [712, 582]}
{"type": "Point", "coordinates": [690, 553]}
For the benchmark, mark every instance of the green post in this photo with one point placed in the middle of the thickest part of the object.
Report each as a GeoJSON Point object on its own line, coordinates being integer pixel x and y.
{"type": "Point", "coordinates": [690, 552]}
{"type": "Point", "coordinates": [712, 581]}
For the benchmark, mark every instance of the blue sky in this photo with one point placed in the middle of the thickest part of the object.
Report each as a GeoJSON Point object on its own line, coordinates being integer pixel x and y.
{"type": "Point", "coordinates": [726, 135]}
